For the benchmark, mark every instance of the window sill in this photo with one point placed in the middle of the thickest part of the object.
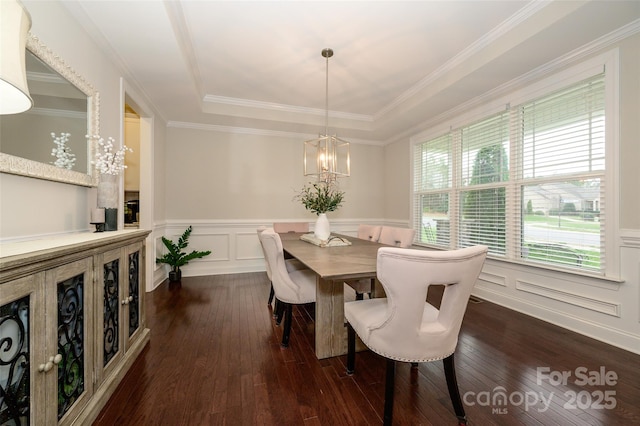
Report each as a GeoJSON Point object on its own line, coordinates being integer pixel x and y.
{"type": "Point", "coordinates": [541, 267]}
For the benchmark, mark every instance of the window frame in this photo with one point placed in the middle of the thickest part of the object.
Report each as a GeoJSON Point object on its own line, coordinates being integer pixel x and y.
{"type": "Point", "coordinates": [530, 87]}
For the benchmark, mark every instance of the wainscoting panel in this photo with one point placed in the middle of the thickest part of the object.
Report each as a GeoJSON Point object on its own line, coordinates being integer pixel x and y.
{"type": "Point", "coordinates": [568, 297]}
{"type": "Point", "coordinates": [219, 243]}
{"type": "Point", "coordinates": [488, 277]}
{"type": "Point", "coordinates": [248, 246]}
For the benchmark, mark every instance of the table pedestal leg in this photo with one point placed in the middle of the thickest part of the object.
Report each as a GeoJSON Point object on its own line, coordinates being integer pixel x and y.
{"type": "Point", "coordinates": [331, 335]}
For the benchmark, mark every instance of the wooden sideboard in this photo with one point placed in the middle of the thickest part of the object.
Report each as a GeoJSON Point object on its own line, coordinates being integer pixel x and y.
{"type": "Point", "coordinates": [72, 322]}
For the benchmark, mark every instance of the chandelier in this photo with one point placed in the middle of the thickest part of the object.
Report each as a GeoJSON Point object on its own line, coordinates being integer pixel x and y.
{"type": "Point", "coordinates": [327, 157]}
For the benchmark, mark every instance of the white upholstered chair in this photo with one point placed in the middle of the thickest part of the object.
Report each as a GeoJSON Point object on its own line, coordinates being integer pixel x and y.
{"type": "Point", "coordinates": [402, 326]}
{"type": "Point", "coordinates": [283, 227]}
{"type": "Point", "coordinates": [399, 237]}
{"type": "Point", "coordinates": [291, 287]}
{"type": "Point", "coordinates": [361, 286]}
{"type": "Point", "coordinates": [369, 232]}
{"type": "Point", "coordinates": [291, 264]}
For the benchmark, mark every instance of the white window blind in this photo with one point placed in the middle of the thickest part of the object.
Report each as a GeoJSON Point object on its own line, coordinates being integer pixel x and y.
{"type": "Point", "coordinates": [563, 172]}
{"type": "Point", "coordinates": [527, 182]}
{"type": "Point", "coordinates": [433, 181]}
{"type": "Point", "coordinates": [485, 171]}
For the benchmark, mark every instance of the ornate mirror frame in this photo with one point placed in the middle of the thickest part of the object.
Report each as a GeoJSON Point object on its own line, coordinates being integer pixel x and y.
{"type": "Point", "coordinates": [24, 167]}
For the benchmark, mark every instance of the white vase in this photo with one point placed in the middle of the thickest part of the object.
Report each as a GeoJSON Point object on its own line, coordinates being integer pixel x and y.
{"type": "Point", "coordinates": [108, 188]}
{"type": "Point", "coordinates": [322, 229]}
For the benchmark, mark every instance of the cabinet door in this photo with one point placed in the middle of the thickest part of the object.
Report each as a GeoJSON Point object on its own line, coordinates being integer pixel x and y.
{"type": "Point", "coordinates": [109, 278]}
{"type": "Point", "coordinates": [69, 315]}
{"type": "Point", "coordinates": [22, 384]}
{"type": "Point", "coordinates": [134, 294]}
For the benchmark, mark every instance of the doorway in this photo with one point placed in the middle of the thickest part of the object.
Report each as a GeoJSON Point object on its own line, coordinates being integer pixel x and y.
{"type": "Point", "coordinates": [132, 172]}
{"type": "Point", "coordinates": [138, 122]}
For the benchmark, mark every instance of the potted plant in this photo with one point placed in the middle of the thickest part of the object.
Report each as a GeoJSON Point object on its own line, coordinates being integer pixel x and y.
{"type": "Point", "coordinates": [320, 198]}
{"type": "Point", "coordinates": [176, 257]}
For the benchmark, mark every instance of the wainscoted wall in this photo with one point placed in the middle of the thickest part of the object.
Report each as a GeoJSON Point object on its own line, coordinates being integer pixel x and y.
{"type": "Point", "coordinates": [605, 310]}
{"type": "Point", "coordinates": [234, 244]}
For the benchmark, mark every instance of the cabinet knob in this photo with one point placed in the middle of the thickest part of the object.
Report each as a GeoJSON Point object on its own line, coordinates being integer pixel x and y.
{"type": "Point", "coordinates": [54, 360]}
{"type": "Point", "coordinates": [43, 368]}
{"type": "Point", "coordinates": [130, 298]}
{"type": "Point", "coordinates": [125, 301]}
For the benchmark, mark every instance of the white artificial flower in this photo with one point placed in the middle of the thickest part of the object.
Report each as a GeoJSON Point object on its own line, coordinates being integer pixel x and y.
{"type": "Point", "coordinates": [64, 158]}
{"type": "Point", "coordinates": [107, 161]}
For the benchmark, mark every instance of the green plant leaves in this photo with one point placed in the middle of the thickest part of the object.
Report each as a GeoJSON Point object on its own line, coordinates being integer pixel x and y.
{"type": "Point", "coordinates": [176, 257]}
{"type": "Point", "coordinates": [321, 197]}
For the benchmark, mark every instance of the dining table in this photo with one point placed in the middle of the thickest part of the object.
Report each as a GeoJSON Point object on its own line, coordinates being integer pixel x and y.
{"type": "Point", "coordinates": [333, 266]}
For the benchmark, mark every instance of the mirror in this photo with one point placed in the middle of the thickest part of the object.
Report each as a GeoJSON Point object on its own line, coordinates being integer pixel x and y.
{"type": "Point", "coordinates": [64, 103]}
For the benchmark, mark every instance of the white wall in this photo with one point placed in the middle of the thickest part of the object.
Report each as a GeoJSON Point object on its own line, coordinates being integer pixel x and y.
{"type": "Point", "coordinates": [228, 184]}
{"type": "Point", "coordinates": [214, 175]}
{"type": "Point", "coordinates": [630, 133]}
{"type": "Point", "coordinates": [397, 173]}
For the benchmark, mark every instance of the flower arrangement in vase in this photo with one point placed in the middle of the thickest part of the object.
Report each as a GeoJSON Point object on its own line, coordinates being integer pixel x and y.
{"type": "Point", "coordinates": [320, 198]}
{"type": "Point", "coordinates": [109, 163]}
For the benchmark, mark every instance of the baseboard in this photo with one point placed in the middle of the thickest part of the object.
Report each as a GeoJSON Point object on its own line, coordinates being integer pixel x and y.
{"type": "Point", "coordinates": [612, 336]}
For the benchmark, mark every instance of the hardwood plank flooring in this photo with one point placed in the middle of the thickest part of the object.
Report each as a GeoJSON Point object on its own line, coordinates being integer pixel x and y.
{"type": "Point", "coordinates": [215, 359]}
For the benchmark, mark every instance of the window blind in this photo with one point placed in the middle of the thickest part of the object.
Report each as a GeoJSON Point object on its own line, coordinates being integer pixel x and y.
{"type": "Point", "coordinates": [484, 165]}
{"type": "Point", "coordinates": [563, 165]}
{"type": "Point", "coordinates": [528, 182]}
{"type": "Point", "coordinates": [433, 166]}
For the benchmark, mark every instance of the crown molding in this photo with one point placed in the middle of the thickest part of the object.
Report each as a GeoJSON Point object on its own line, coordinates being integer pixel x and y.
{"type": "Point", "coordinates": [576, 55]}
{"type": "Point", "coordinates": [271, 106]}
{"type": "Point", "coordinates": [259, 132]}
{"type": "Point", "coordinates": [500, 31]}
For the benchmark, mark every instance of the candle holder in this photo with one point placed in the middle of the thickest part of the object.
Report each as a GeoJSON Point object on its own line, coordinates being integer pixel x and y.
{"type": "Point", "coordinates": [98, 219]}
{"type": "Point", "coordinates": [99, 226]}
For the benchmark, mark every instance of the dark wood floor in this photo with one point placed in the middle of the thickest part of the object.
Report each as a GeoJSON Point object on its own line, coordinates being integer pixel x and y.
{"type": "Point", "coordinates": [215, 358]}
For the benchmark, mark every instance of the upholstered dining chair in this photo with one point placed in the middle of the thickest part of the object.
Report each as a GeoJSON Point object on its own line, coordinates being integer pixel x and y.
{"type": "Point", "coordinates": [291, 288]}
{"type": "Point", "coordinates": [402, 326]}
{"type": "Point", "coordinates": [291, 264]}
{"type": "Point", "coordinates": [369, 232]}
{"type": "Point", "coordinates": [283, 227]}
{"type": "Point", "coordinates": [399, 237]}
{"type": "Point", "coordinates": [361, 286]}
{"type": "Point", "coordinates": [392, 236]}
{"type": "Point", "coordinates": [286, 227]}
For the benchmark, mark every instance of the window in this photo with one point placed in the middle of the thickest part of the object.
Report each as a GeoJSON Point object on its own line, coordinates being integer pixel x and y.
{"type": "Point", "coordinates": [528, 182]}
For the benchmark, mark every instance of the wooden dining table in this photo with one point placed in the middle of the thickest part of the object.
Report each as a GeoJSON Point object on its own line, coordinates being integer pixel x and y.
{"type": "Point", "coordinates": [332, 266]}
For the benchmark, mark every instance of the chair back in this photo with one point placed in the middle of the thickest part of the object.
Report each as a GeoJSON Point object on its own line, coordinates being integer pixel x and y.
{"type": "Point", "coordinates": [266, 266]}
{"type": "Point", "coordinates": [285, 288]}
{"type": "Point", "coordinates": [283, 227]}
{"type": "Point", "coordinates": [399, 237]}
{"type": "Point", "coordinates": [369, 232]}
{"type": "Point", "coordinates": [412, 328]}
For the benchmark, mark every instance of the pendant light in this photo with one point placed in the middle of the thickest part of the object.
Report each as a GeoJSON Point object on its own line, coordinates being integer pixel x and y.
{"type": "Point", "coordinates": [328, 156]}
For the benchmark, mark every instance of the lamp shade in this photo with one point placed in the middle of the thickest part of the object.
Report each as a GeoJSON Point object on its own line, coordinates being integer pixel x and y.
{"type": "Point", "coordinates": [15, 23]}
